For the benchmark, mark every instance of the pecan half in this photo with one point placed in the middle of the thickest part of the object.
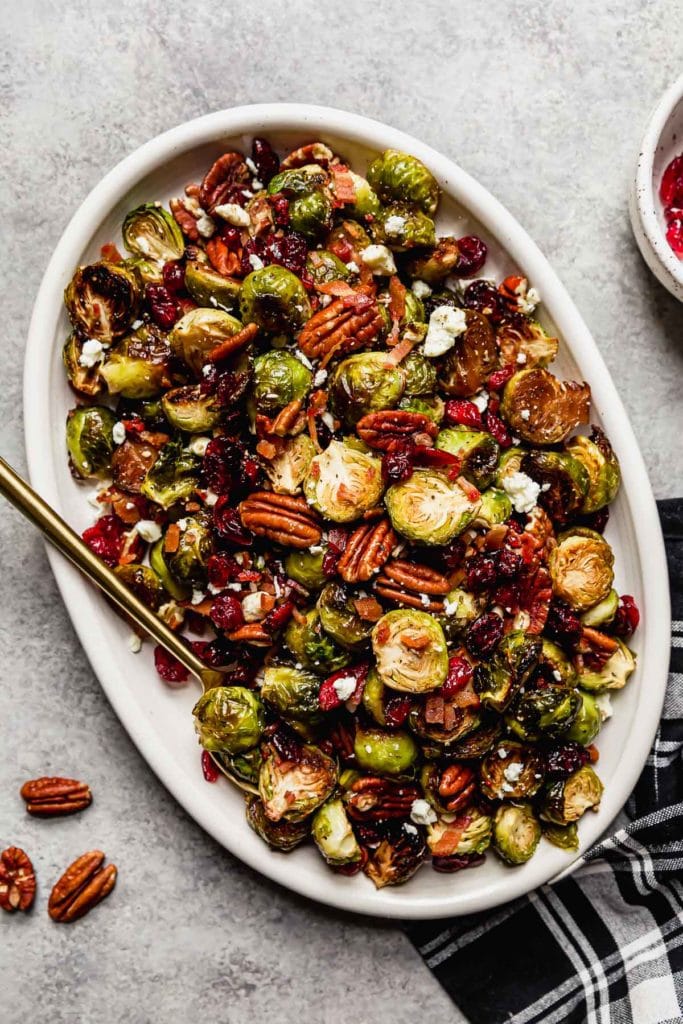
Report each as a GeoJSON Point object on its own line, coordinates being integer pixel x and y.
{"type": "Point", "coordinates": [372, 799]}
{"type": "Point", "coordinates": [185, 220]}
{"type": "Point", "coordinates": [226, 175]}
{"type": "Point", "coordinates": [281, 518]}
{"type": "Point", "coordinates": [251, 633]}
{"type": "Point", "coordinates": [17, 880]}
{"type": "Point", "coordinates": [382, 429]}
{"type": "Point", "coordinates": [367, 549]}
{"type": "Point", "coordinates": [289, 422]}
{"type": "Point", "coordinates": [82, 886]}
{"type": "Point", "coordinates": [233, 344]}
{"type": "Point", "coordinates": [405, 583]}
{"type": "Point", "coordinates": [346, 324]}
{"type": "Point", "coordinates": [50, 797]}
{"type": "Point", "coordinates": [457, 786]}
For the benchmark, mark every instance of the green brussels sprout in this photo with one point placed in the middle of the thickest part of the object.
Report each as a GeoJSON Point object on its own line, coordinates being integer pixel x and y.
{"type": "Point", "coordinates": [342, 483]}
{"type": "Point", "coordinates": [144, 583]}
{"type": "Point", "coordinates": [414, 314]}
{"type": "Point", "coordinates": [187, 564]}
{"type": "Point", "coordinates": [84, 379]}
{"type": "Point", "coordinates": [90, 440]}
{"type": "Point", "coordinates": [511, 771]}
{"type": "Point", "coordinates": [312, 647]}
{"type": "Point", "coordinates": [516, 833]}
{"type": "Point", "coordinates": [145, 271]}
{"type": "Point", "coordinates": [495, 507]}
{"type": "Point", "coordinates": [138, 366]}
{"type": "Point", "coordinates": [279, 835]}
{"type": "Point", "coordinates": [434, 267]}
{"type": "Point", "coordinates": [101, 300]}
{"type": "Point", "coordinates": [439, 741]}
{"type": "Point", "coordinates": [228, 718]}
{"type": "Point", "coordinates": [563, 480]}
{"type": "Point", "coordinates": [306, 568]}
{"type": "Point", "coordinates": [523, 336]}
{"type": "Point", "coordinates": [554, 663]}
{"type": "Point", "coordinates": [245, 765]}
{"type": "Point", "coordinates": [402, 227]}
{"type": "Point", "coordinates": [149, 410]}
{"type": "Point", "coordinates": [366, 202]}
{"type": "Point", "coordinates": [156, 559]}
{"type": "Point", "coordinates": [430, 508]}
{"type": "Point", "coordinates": [373, 697]}
{"type": "Point", "coordinates": [198, 332]}
{"type": "Point", "coordinates": [279, 378]}
{"type": "Point", "coordinates": [298, 181]}
{"type": "Point", "coordinates": [174, 475]}
{"type": "Point", "coordinates": [294, 787]}
{"type": "Point", "coordinates": [188, 408]}
{"type": "Point", "coordinates": [339, 618]}
{"type": "Point", "coordinates": [547, 712]}
{"type": "Point", "coordinates": [333, 835]}
{"type": "Point", "coordinates": [602, 469]}
{"type": "Point", "coordinates": [461, 608]}
{"type": "Point", "coordinates": [566, 800]}
{"type": "Point", "coordinates": [477, 451]}
{"type": "Point", "coordinates": [463, 370]}
{"type": "Point", "coordinates": [397, 857]}
{"type": "Point", "coordinates": [510, 462]}
{"type": "Point", "coordinates": [418, 372]}
{"type": "Point", "coordinates": [293, 692]}
{"type": "Point", "coordinates": [581, 568]}
{"type": "Point", "coordinates": [288, 468]}
{"type": "Point", "coordinates": [410, 651]}
{"type": "Point", "coordinates": [601, 613]}
{"type": "Point", "coordinates": [478, 742]}
{"type": "Point", "coordinates": [151, 232]}
{"type": "Point", "coordinates": [387, 752]}
{"type": "Point", "coordinates": [429, 405]}
{"type": "Point", "coordinates": [564, 836]}
{"type": "Point", "coordinates": [311, 215]}
{"type": "Point", "coordinates": [399, 177]}
{"type": "Point", "coordinates": [501, 678]}
{"type": "Point", "coordinates": [447, 838]}
{"type": "Point", "coordinates": [542, 409]}
{"type": "Point", "coordinates": [209, 288]}
{"type": "Point", "coordinates": [588, 721]}
{"type": "Point", "coordinates": [613, 674]}
{"type": "Point", "coordinates": [363, 383]}
{"type": "Point", "coordinates": [275, 299]}
{"type": "Point", "coordinates": [324, 266]}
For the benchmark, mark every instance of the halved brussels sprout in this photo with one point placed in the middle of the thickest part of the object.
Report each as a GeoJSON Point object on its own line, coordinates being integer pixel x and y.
{"type": "Point", "coordinates": [435, 266]}
{"type": "Point", "coordinates": [294, 787]}
{"type": "Point", "coordinates": [387, 752]}
{"type": "Point", "coordinates": [602, 468]}
{"type": "Point", "coordinates": [547, 712]}
{"type": "Point", "coordinates": [156, 559]}
{"type": "Point", "coordinates": [189, 409]}
{"type": "Point", "coordinates": [430, 508]}
{"type": "Point", "coordinates": [603, 612]}
{"type": "Point", "coordinates": [287, 470]}
{"type": "Point", "coordinates": [306, 568]}
{"type": "Point", "coordinates": [524, 337]}
{"type": "Point", "coordinates": [228, 718]}
{"type": "Point", "coordinates": [146, 271]}
{"type": "Point", "coordinates": [90, 440]}
{"type": "Point", "coordinates": [342, 483]}
{"type": "Point", "coordinates": [563, 480]}
{"type": "Point", "coordinates": [311, 215]}
{"type": "Point", "coordinates": [209, 288]}
{"type": "Point", "coordinates": [511, 771]}
{"type": "Point", "coordinates": [312, 647]}
{"type": "Point", "coordinates": [144, 583]}
{"type": "Point", "coordinates": [363, 383]}
{"type": "Point", "coordinates": [397, 857]}
{"type": "Point", "coordinates": [588, 721]}
{"type": "Point", "coordinates": [430, 406]}
{"type": "Point", "coordinates": [464, 369]}
{"type": "Point", "coordinates": [275, 299]}
{"type": "Point", "coordinates": [279, 378]}
{"type": "Point", "coordinates": [324, 266]}
{"type": "Point", "coordinates": [138, 366]}
{"type": "Point", "coordinates": [581, 568]}
{"type": "Point", "coordinates": [280, 835]}
{"type": "Point", "coordinates": [84, 379]}
{"type": "Point", "coordinates": [151, 232]}
{"type": "Point", "coordinates": [614, 673]}
{"type": "Point", "coordinates": [403, 178]}
{"type": "Point", "coordinates": [187, 564]}
{"type": "Point", "coordinates": [102, 299]}
{"type": "Point", "coordinates": [293, 692]}
{"type": "Point", "coordinates": [402, 227]}
{"type": "Point", "coordinates": [410, 651]}
{"type": "Point", "coordinates": [333, 835]}
{"type": "Point", "coordinates": [478, 742]}
{"type": "Point", "coordinates": [198, 332]}
{"type": "Point", "coordinates": [500, 679]}
{"type": "Point", "coordinates": [418, 372]}
{"type": "Point", "coordinates": [339, 617]}
{"type": "Point", "coordinates": [566, 800]}
{"type": "Point", "coordinates": [510, 463]}
{"type": "Point", "coordinates": [366, 202]}
{"type": "Point", "coordinates": [447, 837]}
{"type": "Point", "coordinates": [541, 408]}
{"type": "Point", "coordinates": [566, 837]}
{"type": "Point", "coordinates": [516, 833]}
{"type": "Point", "coordinates": [555, 665]}
{"type": "Point", "coordinates": [174, 475]}
{"type": "Point", "coordinates": [439, 740]}
{"type": "Point", "coordinates": [495, 508]}
{"type": "Point", "coordinates": [477, 451]}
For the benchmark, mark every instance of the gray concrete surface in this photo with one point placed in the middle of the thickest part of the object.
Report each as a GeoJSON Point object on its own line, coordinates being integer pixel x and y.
{"type": "Point", "coordinates": [545, 103]}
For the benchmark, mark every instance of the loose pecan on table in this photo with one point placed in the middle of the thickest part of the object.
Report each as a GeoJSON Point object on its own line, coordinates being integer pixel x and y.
{"type": "Point", "coordinates": [381, 429]}
{"type": "Point", "coordinates": [286, 520]}
{"type": "Point", "coordinates": [367, 549]}
{"type": "Point", "coordinates": [50, 797]}
{"type": "Point", "coordinates": [82, 886]}
{"type": "Point", "coordinates": [374, 799]}
{"type": "Point", "coordinates": [346, 324]}
{"type": "Point", "coordinates": [405, 583]}
{"type": "Point", "coordinates": [17, 880]}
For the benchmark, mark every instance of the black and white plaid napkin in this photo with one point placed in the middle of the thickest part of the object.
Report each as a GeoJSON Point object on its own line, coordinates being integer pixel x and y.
{"type": "Point", "coordinates": [604, 946]}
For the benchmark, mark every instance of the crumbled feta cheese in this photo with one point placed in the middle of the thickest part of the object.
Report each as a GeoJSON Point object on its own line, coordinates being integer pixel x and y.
{"type": "Point", "coordinates": [136, 324]}
{"type": "Point", "coordinates": [210, 499]}
{"type": "Point", "coordinates": [603, 702]}
{"type": "Point", "coordinates": [320, 378]}
{"type": "Point", "coordinates": [513, 771]}
{"type": "Point", "coordinates": [521, 358]}
{"type": "Point", "coordinates": [422, 812]}
{"type": "Point", "coordinates": [502, 753]}
{"type": "Point", "coordinates": [449, 607]}
{"type": "Point", "coordinates": [525, 414]}
{"type": "Point", "coordinates": [234, 214]}
{"type": "Point", "coordinates": [557, 675]}
{"type": "Point", "coordinates": [481, 400]}
{"type": "Point", "coordinates": [353, 267]}
{"type": "Point", "coordinates": [368, 748]}
{"type": "Point", "coordinates": [302, 359]}
{"type": "Point", "coordinates": [344, 687]}
{"type": "Point", "coordinates": [252, 606]}
{"type": "Point", "coordinates": [316, 549]}
{"type": "Point", "coordinates": [181, 524]}
{"type": "Point", "coordinates": [92, 352]}
{"type": "Point", "coordinates": [328, 420]}
{"type": "Point", "coordinates": [410, 829]}
{"type": "Point", "coordinates": [197, 596]}
{"type": "Point", "coordinates": [213, 589]}
{"type": "Point", "coordinates": [424, 599]}
{"type": "Point", "coordinates": [522, 491]}
{"type": "Point", "coordinates": [420, 289]}
{"type": "Point", "coordinates": [445, 325]}
{"type": "Point", "coordinates": [148, 530]}
{"type": "Point", "coordinates": [394, 225]}
{"type": "Point", "coordinates": [118, 433]}
{"type": "Point", "coordinates": [379, 259]}
{"type": "Point", "coordinates": [545, 487]}
{"type": "Point", "coordinates": [251, 165]}
{"type": "Point", "coordinates": [134, 643]}
{"type": "Point", "coordinates": [233, 586]}
{"type": "Point", "coordinates": [205, 226]}
{"type": "Point", "coordinates": [527, 301]}
{"type": "Point", "coordinates": [198, 445]}
{"type": "Point", "coordinates": [507, 788]}
{"type": "Point", "coordinates": [256, 262]}
{"type": "Point", "coordinates": [325, 300]}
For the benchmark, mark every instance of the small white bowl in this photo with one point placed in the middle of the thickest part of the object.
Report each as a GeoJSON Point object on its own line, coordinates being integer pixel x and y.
{"type": "Point", "coordinates": [663, 140]}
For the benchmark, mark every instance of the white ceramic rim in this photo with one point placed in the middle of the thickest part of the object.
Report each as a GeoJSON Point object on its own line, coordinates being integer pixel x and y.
{"type": "Point", "coordinates": [308, 120]}
{"type": "Point", "coordinates": [645, 201]}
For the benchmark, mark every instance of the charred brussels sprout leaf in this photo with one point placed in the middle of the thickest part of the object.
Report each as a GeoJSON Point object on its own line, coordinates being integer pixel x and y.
{"type": "Point", "coordinates": [566, 837]}
{"type": "Point", "coordinates": [563, 480]}
{"type": "Point", "coordinates": [333, 835]}
{"type": "Point", "coordinates": [156, 559]}
{"type": "Point", "coordinates": [614, 673]}
{"type": "Point", "coordinates": [463, 370]}
{"type": "Point", "coordinates": [342, 483]}
{"type": "Point", "coordinates": [228, 718]}
{"type": "Point", "coordinates": [138, 367]}
{"type": "Point", "coordinates": [245, 765]}
{"type": "Point", "coordinates": [601, 466]}
{"type": "Point", "coordinates": [402, 227]}
{"type": "Point", "coordinates": [430, 508]}
{"type": "Point", "coordinates": [516, 833]}
{"type": "Point", "coordinates": [397, 857]}
{"type": "Point", "coordinates": [294, 787]}
{"type": "Point", "coordinates": [306, 568]}
{"type": "Point", "coordinates": [441, 740]}
{"type": "Point", "coordinates": [279, 835]}
{"type": "Point", "coordinates": [101, 300]}
{"type": "Point", "coordinates": [298, 181]}
{"type": "Point", "coordinates": [174, 475]}
{"type": "Point", "coordinates": [90, 441]}
{"type": "Point", "coordinates": [293, 693]}
{"type": "Point", "coordinates": [541, 408]}
{"type": "Point", "coordinates": [512, 771]}
{"type": "Point", "coordinates": [209, 288]}
{"type": "Point", "coordinates": [499, 680]}
{"type": "Point", "coordinates": [187, 564]}
{"type": "Point", "coordinates": [581, 569]}
{"type": "Point", "coordinates": [566, 800]}
{"type": "Point", "coordinates": [399, 177]}
{"type": "Point", "coordinates": [524, 336]}
{"type": "Point", "coordinates": [547, 712]}
{"type": "Point", "coordinates": [363, 383]}
{"type": "Point", "coordinates": [588, 721]}
{"type": "Point", "coordinates": [477, 451]}
{"type": "Point", "coordinates": [85, 379]}
{"type": "Point", "coordinates": [387, 752]}
{"type": "Point", "coordinates": [279, 379]}
{"type": "Point", "coordinates": [410, 651]}
{"type": "Point", "coordinates": [275, 299]}
{"type": "Point", "coordinates": [478, 742]}
{"type": "Point", "coordinates": [151, 232]}
{"type": "Point", "coordinates": [188, 409]}
{"type": "Point", "coordinates": [144, 582]}
{"type": "Point", "coordinates": [435, 266]}
{"type": "Point", "coordinates": [555, 665]}
{"type": "Point", "coordinates": [312, 647]}
{"type": "Point", "coordinates": [198, 332]}
{"type": "Point", "coordinates": [339, 618]}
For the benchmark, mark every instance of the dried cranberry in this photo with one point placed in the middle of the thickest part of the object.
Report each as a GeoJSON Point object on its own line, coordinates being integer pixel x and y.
{"type": "Point", "coordinates": [482, 571]}
{"type": "Point", "coordinates": [226, 613]}
{"type": "Point", "coordinates": [209, 769]}
{"type": "Point", "coordinates": [228, 525]}
{"type": "Point", "coordinates": [460, 410]}
{"type": "Point", "coordinates": [424, 456]}
{"type": "Point", "coordinates": [497, 429]}
{"type": "Point", "coordinates": [290, 251]}
{"type": "Point", "coordinates": [459, 674]}
{"type": "Point", "coordinates": [671, 188]}
{"type": "Point", "coordinates": [105, 538]}
{"type": "Point", "coordinates": [457, 862]}
{"type": "Point", "coordinates": [563, 624]}
{"type": "Point", "coordinates": [452, 555]}
{"type": "Point", "coordinates": [484, 635]}
{"type": "Point", "coordinates": [627, 617]}
{"type": "Point", "coordinates": [499, 378]}
{"type": "Point", "coordinates": [397, 463]}
{"type": "Point", "coordinates": [472, 253]}
{"type": "Point", "coordinates": [228, 466]}
{"type": "Point", "coordinates": [242, 674]}
{"type": "Point", "coordinates": [280, 205]}
{"type": "Point", "coordinates": [509, 563]}
{"type": "Point", "coordinates": [565, 758]}
{"type": "Point", "coordinates": [265, 159]}
{"type": "Point", "coordinates": [674, 235]}
{"type": "Point", "coordinates": [286, 743]}
{"type": "Point", "coordinates": [231, 386]}
{"type": "Point", "coordinates": [595, 520]}
{"type": "Point", "coordinates": [483, 296]}
{"type": "Point", "coordinates": [222, 569]}
{"type": "Point", "coordinates": [279, 616]}
{"type": "Point", "coordinates": [329, 699]}
{"type": "Point", "coordinates": [168, 667]}
{"type": "Point", "coordinates": [174, 276]}
{"type": "Point", "coordinates": [163, 309]}
{"type": "Point", "coordinates": [396, 710]}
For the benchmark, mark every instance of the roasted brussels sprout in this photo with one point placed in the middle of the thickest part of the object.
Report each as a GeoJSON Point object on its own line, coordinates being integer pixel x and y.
{"type": "Point", "coordinates": [156, 559]}
{"type": "Point", "coordinates": [430, 508]}
{"type": "Point", "coordinates": [447, 837]}
{"type": "Point", "coordinates": [547, 712]}
{"type": "Point", "coordinates": [410, 651]}
{"type": "Point", "coordinates": [174, 475]}
{"type": "Point", "coordinates": [228, 718]}
{"type": "Point", "coordinates": [563, 480]}
{"type": "Point", "coordinates": [311, 215]}
{"type": "Point", "coordinates": [312, 647]}
{"type": "Point", "coordinates": [84, 377]}
{"type": "Point", "coordinates": [333, 835]}
{"type": "Point", "coordinates": [101, 300]}
{"type": "Point", "coordinates": [524, 337]}
{"type": "Point", "coordinates": [397, 857]}
{"type": "Point", "coordinates": [151, 232]}
{"type": "Point", "coordinates": [440, 739]}
{"type": "Point", "coordinates": [555, 665]}
{"type": "Point", "coordinates": [374, 693]}
{"type": "Point", "coordinates": [279, 379]}
{"type": "Point", "coordinates": [402, 227]}
{"type": "Point", "coordinates": [363, 383]}
{"type": "Point", "coordinates": [187, 564]}
{"type": "Point", "coordinates": [566, 800]}
{"type": "Point", "coordinates": [581, 568]}
{"type": "Point", "coordinates": [306, 568]}
{"type": "Point", "coordinates": [324, 266]}
{"type": "Point", "coordinates": [603, 612]}
{"type": "Point", "coordinates": [342, 483]}
{"type": "Point", "coordinates": [564, 836]}
{"type": "Point", "coordinates": [434, 267]}
{"type": "Point", "coordinates": [280, 835]}
{"type": "Point", "coordinates": [541, 408]}
{"type": "Point", "coordinates": [510, 463]}
{"type": "Point", "coordinates": [601, 466]}
{"type": "Point", "coordinates": [90, 440]}
{"type": "Point", "coordinates": [419, 374]}
{"type": "Point", "coordinates": [430, 406]}
{"type": "Point", "coordinates": [387, 752]}
{"type": "Point", "coordinates": [478, 742]}
{"type": "Point", "coordinates": [477, 451]}
{"type": "Point", "coordinates": [275, 299]}
{"type": "Point", "coordinates": [516, 833]}
{"type": "Point", "coordinates": [495, 507]}
{"type": "Point", "coordinates": [366, 202]}
{"type": "Point", "coordinates": [198, 332]}
{"type": "Point", "coordinates": [294, 787]}
{"type": "Point", "coordinates": [209, 288]}
{"type": "Point", "coordinates": [463, 370]}
{"type": "Point", "coordinates": [298, 181]}
{"type": "Point", "coordinates": [588, 721]}
{"type": "Point", "coordinates": [245, 765]}
{"type": "Point", "coordinates": [339, 617]}
{"type": "Point", "coordinates": [399, 177]}
{"type": "Point", "coordinates": [287, 470]}
{"type": "Point", "coordinates": [461, 608]}
{"type": "Point", "coordinates": [145, 271]}
{"type": "Point", "coordinates": [500, 679]}
{"type": "Point", "coordinates": [189, 409]}
{"type": "Point", "coordinates": [293, 692]}
{"type": "Point", "coordinates": [614, 673]}
{"type": "Point", "coordinates": [511, 771]}
{"type": "Point", "coordinates": [144, 583]}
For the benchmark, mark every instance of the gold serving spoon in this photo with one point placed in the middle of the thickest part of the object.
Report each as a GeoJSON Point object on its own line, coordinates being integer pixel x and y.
{"type": "Point", "coordinates": [67, 541]}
